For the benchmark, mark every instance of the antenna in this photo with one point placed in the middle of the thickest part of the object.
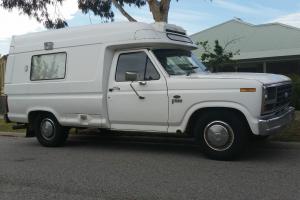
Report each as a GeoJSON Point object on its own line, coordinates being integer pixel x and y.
{"type": "Point", "coordinates": [237, 18]}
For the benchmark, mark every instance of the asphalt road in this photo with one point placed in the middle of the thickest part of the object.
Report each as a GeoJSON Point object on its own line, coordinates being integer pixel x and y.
{"type": "Point", "coordinates": [97, 168]}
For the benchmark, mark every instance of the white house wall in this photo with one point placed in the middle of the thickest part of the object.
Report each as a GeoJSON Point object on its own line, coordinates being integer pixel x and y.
{"type": "Point", "coordinates": [253, 41]}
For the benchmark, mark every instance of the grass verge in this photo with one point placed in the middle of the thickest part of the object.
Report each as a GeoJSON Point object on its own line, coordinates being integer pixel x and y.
{"type": "Point", "coordinates": [7, 127]}
{"type": "Point", "coordinates": [292, 133]}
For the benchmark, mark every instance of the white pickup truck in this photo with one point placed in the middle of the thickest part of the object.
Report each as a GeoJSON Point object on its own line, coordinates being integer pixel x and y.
{"type": "Point", "coordinates": [137, 77]}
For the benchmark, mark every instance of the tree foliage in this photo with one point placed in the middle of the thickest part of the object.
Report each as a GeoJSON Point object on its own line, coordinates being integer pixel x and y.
{"type": "Point", "coordinates": [102, 8]}
{"type": "Point", "coordinates": [217, 56]}
{"type": "Point", "coordinates": [37, 9]}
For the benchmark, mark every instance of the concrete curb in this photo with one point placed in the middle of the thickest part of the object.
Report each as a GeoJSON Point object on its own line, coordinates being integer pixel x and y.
{"type": "Point", "coordinates": [12, 134]}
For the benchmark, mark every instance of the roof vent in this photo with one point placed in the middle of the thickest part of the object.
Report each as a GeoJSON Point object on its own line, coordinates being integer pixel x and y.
{"type": "Point", "coordinates": [170, 28]}
{"type": "Point", "coordinates": [176, 32]}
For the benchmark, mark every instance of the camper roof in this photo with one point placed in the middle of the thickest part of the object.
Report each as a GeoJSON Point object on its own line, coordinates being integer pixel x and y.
{"type": "Point", "coordinates": [110, 34]}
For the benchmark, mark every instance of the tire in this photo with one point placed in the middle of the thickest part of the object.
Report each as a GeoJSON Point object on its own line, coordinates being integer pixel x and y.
{"type": "Point", "coordinates": [221, 134]}
{"type": "Point", "coordinates": [49, 132]}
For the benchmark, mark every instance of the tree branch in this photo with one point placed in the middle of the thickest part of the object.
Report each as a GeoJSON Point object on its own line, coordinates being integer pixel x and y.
{"type": "Point", "coordinates": [121, 9]}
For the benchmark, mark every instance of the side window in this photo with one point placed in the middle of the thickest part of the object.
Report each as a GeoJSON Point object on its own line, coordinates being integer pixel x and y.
{"type": "Point", "coordinates": [48, 66]}
{"type": "Point", "coordinates": [137, 62]}
{"type": "Point", "coordinates": [131, 62]}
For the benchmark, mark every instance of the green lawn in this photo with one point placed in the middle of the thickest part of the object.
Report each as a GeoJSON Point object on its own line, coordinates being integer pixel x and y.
{"type": "Point", "coordinates": [5, 127]}
{"type": "Point", "coordinates": [292, 133]}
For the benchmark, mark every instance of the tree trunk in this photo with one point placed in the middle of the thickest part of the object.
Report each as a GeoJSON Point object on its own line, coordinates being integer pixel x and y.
{"type": "Point", "coordinates": [160, 10]}
{"type": "Point", "coordinates": [164, 9]}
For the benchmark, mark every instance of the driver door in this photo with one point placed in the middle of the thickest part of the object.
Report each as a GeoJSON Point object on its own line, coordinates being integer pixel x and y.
{"type": "Point", "coordinates": [143, 110]}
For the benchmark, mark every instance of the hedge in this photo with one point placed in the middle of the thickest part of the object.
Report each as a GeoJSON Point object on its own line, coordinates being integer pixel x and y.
{"type": "Point", "coordinates": [296, 90]}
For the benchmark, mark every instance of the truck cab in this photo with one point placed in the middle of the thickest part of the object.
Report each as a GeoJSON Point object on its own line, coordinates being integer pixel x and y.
{"type": "Point", "coordinates": [142, 78]}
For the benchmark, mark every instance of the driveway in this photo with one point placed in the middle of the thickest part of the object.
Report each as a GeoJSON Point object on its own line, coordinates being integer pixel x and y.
{"type": "Point", "coordinates": [102, 168]}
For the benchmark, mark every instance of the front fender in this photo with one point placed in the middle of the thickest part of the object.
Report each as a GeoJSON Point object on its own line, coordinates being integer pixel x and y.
{"type": "Point", "coordinates": [252, 120]}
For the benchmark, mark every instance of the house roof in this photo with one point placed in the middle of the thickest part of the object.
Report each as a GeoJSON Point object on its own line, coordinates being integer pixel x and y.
{"type": "Point", "coordinates": [253, 41]}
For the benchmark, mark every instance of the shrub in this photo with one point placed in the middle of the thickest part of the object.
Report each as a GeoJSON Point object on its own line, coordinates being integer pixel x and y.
{"type": "Point", "coordinates": [296, 90]}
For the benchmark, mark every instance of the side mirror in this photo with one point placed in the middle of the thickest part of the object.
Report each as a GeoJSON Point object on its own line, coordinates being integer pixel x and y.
{"type": "Point", "coordinates": [131, 76]}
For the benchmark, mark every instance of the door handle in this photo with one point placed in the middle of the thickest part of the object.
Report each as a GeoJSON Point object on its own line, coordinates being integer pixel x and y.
{"type": "Point", "coordinates": [114, 88]}
{"type": "Point", "coordinates": [143, 82]}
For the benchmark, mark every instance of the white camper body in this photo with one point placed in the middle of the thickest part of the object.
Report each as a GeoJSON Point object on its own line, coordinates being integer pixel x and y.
{"type": "Point", "coordinates": [80, 98]}
{"type": "Point", "coordinates": [78, 77]}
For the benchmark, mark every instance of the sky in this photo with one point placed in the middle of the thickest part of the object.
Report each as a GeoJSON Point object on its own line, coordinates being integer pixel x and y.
{"type": "Point", "coordinates": [192, 15]}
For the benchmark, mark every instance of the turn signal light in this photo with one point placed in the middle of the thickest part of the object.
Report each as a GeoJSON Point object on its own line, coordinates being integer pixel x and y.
{"type": "Point", "coordinates": [247, 89]}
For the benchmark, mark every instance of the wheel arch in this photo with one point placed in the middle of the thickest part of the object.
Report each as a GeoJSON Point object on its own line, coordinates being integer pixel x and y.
{"type": "Point", "coordinates": [33, 113]}
{"type": "Point", "coordinates": [194, 112]}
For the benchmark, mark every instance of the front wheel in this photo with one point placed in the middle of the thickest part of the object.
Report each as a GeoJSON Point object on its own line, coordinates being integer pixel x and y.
{"type": "Point", "coordinates": [222, 136]}
{"type": "Point", "coordinates": [49, 132]}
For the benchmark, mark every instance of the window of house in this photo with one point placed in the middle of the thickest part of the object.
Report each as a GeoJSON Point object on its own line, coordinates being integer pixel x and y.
{"type": "Point", "coordinates": [137, 62]}
{"type": "Point", "coordinates": [255, 67]}
{"type": "Point", "coordinates": [48, 66]}
{"type": "Point", "coordinates": [284, 67]}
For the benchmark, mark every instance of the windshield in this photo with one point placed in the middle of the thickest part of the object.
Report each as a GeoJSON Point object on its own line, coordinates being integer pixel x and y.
{"type": "Point", "coordinates": [179, 62]}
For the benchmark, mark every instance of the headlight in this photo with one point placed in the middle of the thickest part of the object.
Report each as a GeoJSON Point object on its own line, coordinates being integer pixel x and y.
{"type": "Point", "coordinates": [269, 99]}
{"type": "Point", "coordinates": [270, 94]}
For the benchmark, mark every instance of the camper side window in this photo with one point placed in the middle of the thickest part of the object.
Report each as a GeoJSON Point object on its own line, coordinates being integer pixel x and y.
{"type": "Point", "coordinates": [137, 62]}
{"type": "Point", "coordinates": [48, 66]}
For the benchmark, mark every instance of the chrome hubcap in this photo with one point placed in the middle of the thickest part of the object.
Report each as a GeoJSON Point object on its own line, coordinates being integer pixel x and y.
{"type": "Point", "coordinates": [47, 129]}
{"type": "Point", "coordinates": [218, 135]}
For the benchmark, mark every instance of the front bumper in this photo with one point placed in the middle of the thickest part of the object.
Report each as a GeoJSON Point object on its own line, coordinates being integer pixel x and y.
{"type": "Point", "coordinates": [276, 123]}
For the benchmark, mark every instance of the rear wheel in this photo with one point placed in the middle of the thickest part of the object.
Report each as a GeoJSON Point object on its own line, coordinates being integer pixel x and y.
{"type": "Point", "coordinates": [49, 132]}
{"type": "Point", "coordinates": [222, 136]}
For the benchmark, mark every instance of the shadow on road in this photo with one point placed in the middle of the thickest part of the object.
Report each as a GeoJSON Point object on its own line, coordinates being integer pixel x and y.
{"type": "Point", "coordinates": [266, 150]}
{"type": "Point", "coordinates": [134, 143]}
{"type": "Point", "coordinates": [271, 150]}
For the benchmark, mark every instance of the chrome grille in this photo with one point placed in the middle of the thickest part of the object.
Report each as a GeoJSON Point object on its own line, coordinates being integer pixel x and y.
{"type": "Point", "coordinates": [284, 95]}
{"type": "Point", "coordinates": [277, 97]}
